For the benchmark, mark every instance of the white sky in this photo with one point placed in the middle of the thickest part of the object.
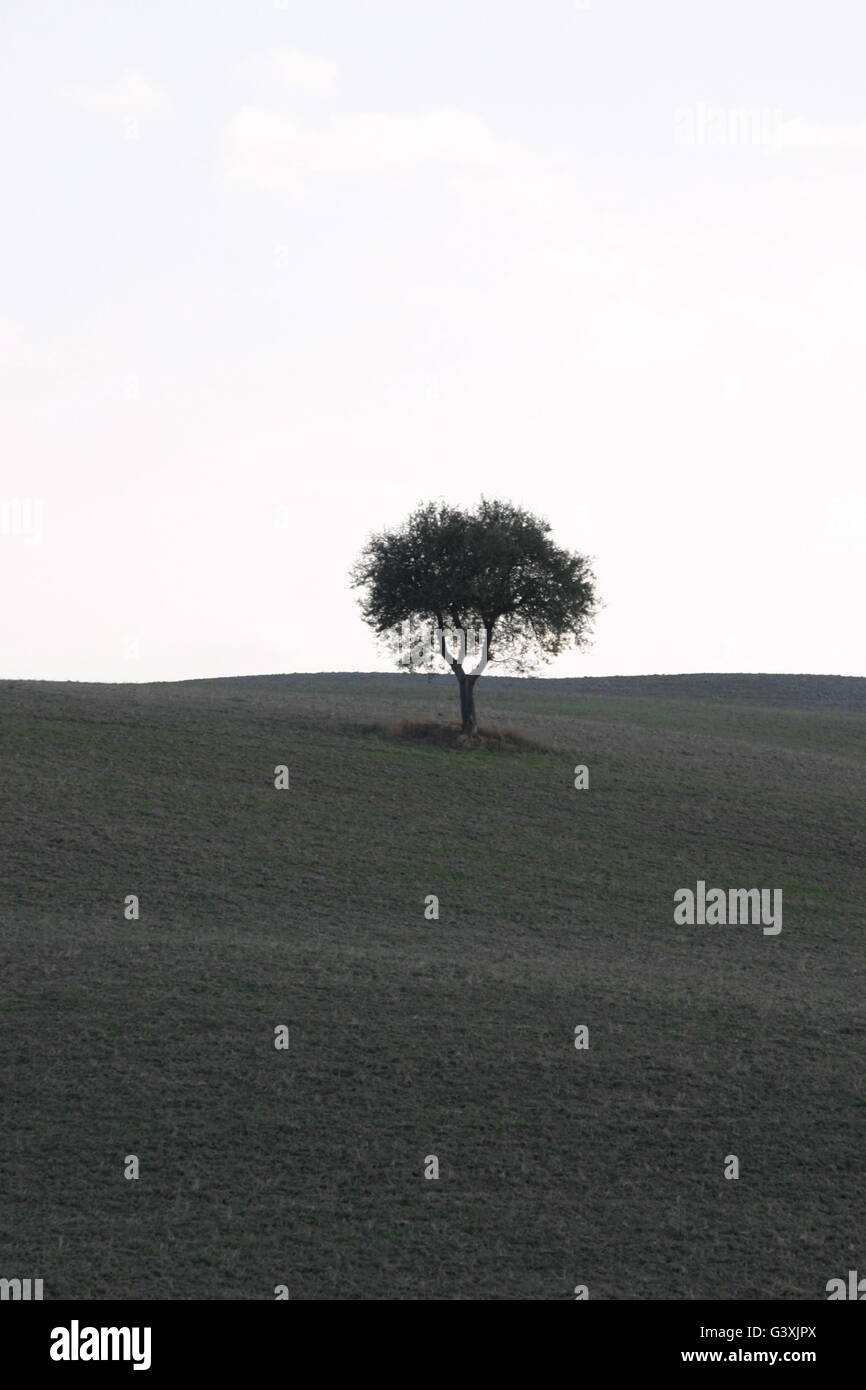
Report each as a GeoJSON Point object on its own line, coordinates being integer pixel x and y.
{"type": "Point", "coordinates": [275, 273]}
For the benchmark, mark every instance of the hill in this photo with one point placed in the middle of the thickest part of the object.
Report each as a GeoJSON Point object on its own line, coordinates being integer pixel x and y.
{"type": "Point", "coordinates": [412, 1037]}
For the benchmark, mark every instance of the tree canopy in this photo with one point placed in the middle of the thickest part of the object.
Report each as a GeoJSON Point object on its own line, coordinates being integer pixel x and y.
{"type": "Point", "coordinates": [488, 583]}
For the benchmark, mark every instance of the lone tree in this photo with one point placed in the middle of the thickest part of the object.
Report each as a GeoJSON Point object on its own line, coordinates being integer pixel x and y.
{"type": "Point", "coordinates": [479, 585]}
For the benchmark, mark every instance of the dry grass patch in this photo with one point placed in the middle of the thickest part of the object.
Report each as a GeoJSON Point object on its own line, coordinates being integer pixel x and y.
{"type": "Point", "coordinates": [441, 735]}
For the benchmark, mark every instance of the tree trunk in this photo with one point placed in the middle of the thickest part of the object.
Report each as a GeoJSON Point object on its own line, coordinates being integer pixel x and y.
{"type": "Point", "coordinates": [467, 703]}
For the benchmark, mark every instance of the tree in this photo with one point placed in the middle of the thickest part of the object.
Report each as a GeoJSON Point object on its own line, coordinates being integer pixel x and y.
{"type": "Point", "coordinates": [488, 583]}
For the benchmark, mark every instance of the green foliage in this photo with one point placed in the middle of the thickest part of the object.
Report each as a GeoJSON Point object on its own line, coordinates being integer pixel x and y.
{"type": "Point", "coordinates": [494, 570]}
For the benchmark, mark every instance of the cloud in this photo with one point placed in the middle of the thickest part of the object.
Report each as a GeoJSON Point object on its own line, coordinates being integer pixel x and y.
{"type": "Point", "coordinates": [272, 150]}
{"type": "Point", "coordinates": [129, 95]}
{"type": "Point", "coordinates": [289, 67]}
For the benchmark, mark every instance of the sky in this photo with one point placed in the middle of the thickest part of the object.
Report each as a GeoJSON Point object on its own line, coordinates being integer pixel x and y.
{"type": "Point", "coordinates": [275, 273]}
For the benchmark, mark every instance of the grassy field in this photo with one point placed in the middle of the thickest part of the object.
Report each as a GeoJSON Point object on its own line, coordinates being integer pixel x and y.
{"type": "Point", "coordinates": [410, 1037]}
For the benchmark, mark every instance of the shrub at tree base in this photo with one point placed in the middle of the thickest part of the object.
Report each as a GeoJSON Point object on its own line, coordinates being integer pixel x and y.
{"type": "Point", "coordinates": [505, 740]}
